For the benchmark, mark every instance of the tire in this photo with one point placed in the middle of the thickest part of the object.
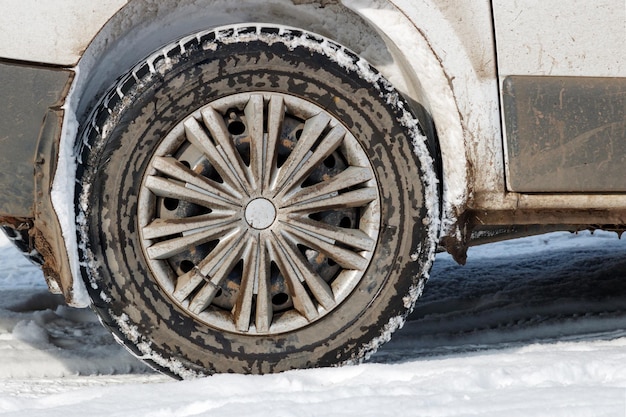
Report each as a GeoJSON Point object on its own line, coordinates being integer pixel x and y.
{"type": "Point", "coordinates": [207, 249]}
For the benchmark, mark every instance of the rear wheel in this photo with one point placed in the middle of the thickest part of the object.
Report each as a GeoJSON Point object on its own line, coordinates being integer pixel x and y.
{"type": "Point", "coordinates": [251, 201]}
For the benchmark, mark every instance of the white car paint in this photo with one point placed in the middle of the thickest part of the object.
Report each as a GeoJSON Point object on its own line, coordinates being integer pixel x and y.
{"type": "Point", "coordinates": [565, 38]}
{"type": "Point", "coordinates": [58, 31]}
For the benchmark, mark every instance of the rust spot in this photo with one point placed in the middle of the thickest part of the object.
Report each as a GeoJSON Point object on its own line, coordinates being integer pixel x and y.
{"type": "Point", "coordinates": [50, 266]}
{"type": "Point", "coordinates": [455, 247]}
{"type": "Point", "coordinates": [17, 223]}
{"type": "Point", "coordinates": [457, 242]}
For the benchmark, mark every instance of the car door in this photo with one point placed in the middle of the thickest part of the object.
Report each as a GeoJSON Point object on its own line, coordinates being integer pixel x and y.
{"type": "Point", "coordinates": [562, 72]}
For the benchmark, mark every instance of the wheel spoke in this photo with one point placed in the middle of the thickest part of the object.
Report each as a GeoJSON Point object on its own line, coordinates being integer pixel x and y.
{"type": "Point", "coordinates": [173, 168]}
{"type": "Point", "coordinates": [343, 257]}
{"type": "Point", "coordinates": [328, 145]}
{"type": "Point", "coordinates": [320, 289]}
{"type": "Point", "coordinates": [186, 226]}
{"type": "Point", "coordinates": [276, 114]}
{"type": "Point", "coordinates": [170, 189]}
{"type": "Point", "coordinates": [313, 129]}
{"type": "Point", "coordinates": [346, 179]}
{"type": "Point", "coordinates": [356, 198]}
{"type": "Point", "coordinates": [264, 311]}
{"type": "Point", "coordinates": [254, 117]}
{"type": "Point", "coordinates": [243, 306]}
{"type": "Point", "coordinates": [171, 247]}
{"type": "Point", "coordinates": [301, 300]}
{"type": "Point", "coordinates": [215, 123]}
{"type": "Point", "coordinates": [196, 136]}
{"type": "Point", "coordinates": [216, 277]}
{"type": "Point", "coordinates": [188, 282]}
{"type": "Point", "coordinates": [332, 234]}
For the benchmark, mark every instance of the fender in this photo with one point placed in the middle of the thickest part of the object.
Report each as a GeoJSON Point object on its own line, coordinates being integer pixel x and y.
{"type": "Point", "coordinates": [451, 66]}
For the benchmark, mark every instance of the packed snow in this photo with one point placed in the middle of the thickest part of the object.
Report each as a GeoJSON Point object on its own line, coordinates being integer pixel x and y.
{"type": "Point", "coordinates": [529, 327]}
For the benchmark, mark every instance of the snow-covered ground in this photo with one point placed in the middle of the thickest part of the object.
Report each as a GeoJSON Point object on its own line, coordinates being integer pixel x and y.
{"type": "Point", "coordinates": [531, 327]}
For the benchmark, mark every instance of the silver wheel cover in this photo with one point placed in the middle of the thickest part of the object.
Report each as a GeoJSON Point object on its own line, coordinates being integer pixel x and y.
{"type": "Point", "coordinates": [259, 213]}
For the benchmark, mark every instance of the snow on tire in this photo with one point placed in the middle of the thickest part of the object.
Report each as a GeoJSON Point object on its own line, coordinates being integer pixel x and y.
{"type": "Point", "coordinates": [254, 199]}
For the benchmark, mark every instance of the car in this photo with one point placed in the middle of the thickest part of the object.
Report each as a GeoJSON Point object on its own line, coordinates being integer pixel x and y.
{"type": "Point", "coordinates": [257, 186]}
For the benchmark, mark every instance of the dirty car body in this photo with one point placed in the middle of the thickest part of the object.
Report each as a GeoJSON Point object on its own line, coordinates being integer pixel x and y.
{"type": "Point", "coordinates": [257, 186]}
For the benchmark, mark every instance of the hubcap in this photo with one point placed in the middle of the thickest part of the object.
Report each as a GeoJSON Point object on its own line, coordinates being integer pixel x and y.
{"type": "Point", "coordinates": [259, 213]}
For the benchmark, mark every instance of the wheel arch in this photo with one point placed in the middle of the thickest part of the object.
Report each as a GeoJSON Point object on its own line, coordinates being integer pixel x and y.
{"type": "Point", "coordinates": [141, 27]}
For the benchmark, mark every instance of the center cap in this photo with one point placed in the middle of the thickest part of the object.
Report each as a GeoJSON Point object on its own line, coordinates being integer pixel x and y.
{"type": "Point", "coordinates": [260, 213]}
